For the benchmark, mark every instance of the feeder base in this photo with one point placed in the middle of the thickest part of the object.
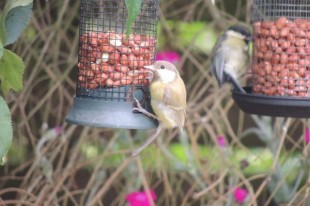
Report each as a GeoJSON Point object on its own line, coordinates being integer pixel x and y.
{"type": "Point", "coordinates": [107, 114]}
{"type": "Point", "coordinates": [277, 106]}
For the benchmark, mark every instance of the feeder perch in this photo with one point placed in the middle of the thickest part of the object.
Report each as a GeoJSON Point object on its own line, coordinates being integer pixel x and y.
{"type": "Point", "coordinates": [281, 60]}
{"type": "Point", "coordinates": [110, 65]}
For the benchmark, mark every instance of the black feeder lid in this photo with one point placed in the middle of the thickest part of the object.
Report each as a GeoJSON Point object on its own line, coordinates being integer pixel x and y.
{"type": "Point", "coordinates": [110, 114]}
{"type": "Point", "coordinates": [277, 106]}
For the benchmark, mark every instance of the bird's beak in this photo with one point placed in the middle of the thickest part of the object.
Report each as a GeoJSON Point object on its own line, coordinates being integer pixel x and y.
{"type": "Point", "coordinates": [150, 67]}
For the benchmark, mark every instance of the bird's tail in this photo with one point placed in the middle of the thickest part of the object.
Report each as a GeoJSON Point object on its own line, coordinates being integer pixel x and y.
{"type": "Point", "coordinates": [148, 141]}
{"type": "Point", "coordinates": [235, 84]}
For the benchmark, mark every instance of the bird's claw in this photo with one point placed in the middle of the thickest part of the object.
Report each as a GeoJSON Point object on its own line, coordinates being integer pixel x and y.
{"type": "Point", "coordinates": [139, 107]}
{"type": "Point", "coordinates": [136, 109]}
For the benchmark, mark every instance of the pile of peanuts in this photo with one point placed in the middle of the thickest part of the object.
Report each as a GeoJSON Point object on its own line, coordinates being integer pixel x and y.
{"type": "Point", "coordinates": [112, 60]}
{"type": "Point", "coordinates": [281, 64]}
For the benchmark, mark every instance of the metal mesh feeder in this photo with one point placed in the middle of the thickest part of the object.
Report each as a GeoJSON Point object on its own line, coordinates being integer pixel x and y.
{"type": "Point", "coordinates": [281, 60]}
{"type": "Point", "coordinates": [110, 65]}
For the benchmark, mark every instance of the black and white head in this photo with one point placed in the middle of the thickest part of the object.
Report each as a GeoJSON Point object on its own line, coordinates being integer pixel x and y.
{"type": "Point", "coordinates": [239, 31]}
{"type": "Point", "coordinates": [163, 70]}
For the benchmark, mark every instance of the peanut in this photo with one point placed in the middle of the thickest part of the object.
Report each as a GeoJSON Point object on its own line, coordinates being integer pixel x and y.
{"type": "Point", "coordinates": [93, 39]}
{"type": "Point", "coordinates": [126, 80]}
{"type": "Point", "coordinates": [281, 22]}
{"type": "Point", "coordinates": [124, 59]}
{"type": "Point", "coordinates": [132, 63]}
{"type": "Point", "coordinates": [281, 63]}
{"type": "Point", "coordinates": [104, 58]}
{"type": "Point", "coordinates": [117, 83]}
{"type": "Point", "coordinates": [95, 67]}
{"type": "Point", "coordinates": [114, 58]}
{"type": "Point", "coordinates": [133, 73]}
{"type": "Point", "coordinates": [111, 60]}
{"type": "Point", "coordinates": [116, 76]}
{"type": "Point", "coordinates": [115, 40]}
{"type": "Point", "coordinates": [284, 32]}
{"type": "Point", "coordinates": [121, 68]}
{"type": "Point", "coordinates": [93, 84]}
{"type": "Point", "coordinates": [102, 78]}
{"type": "Point", "coordinates": [280, 90]}
{"type": "Point", "coordinates": [106, 48]}
{"type": "Point", "coordinates": [106, 68]}
{"type": "Point", "coordinates": [266, 24]}
{"type": "Point", "coordinates": [109, 82]}
{"type": "Point", "coordinates": [137, 39]}
{"type": "Point", "coordinates": [124, 50]}
{"type": "Point", "coordinates": [274, 32]}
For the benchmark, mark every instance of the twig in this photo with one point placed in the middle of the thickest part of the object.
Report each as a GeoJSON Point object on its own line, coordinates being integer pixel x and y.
{"type": "Point", "coordinates": [144, 181]}
{"type": "Point", "coordinates": [211, 186]}
{"type": "Point", "coordinates": [109, 182]}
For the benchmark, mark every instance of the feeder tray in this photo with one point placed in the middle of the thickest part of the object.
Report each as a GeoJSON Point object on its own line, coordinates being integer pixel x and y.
{"type": "Point", "coordinates": [111, 62]}
{"type": "Point", "coordinates": [102, 113]}
{"type": "Point", "coordinates": [277, 106]}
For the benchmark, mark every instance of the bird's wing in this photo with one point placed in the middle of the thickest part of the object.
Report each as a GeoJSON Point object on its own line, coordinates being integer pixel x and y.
{"type": "Point", "coordinates": [175, 99]}
{"type": "Point", "coordinates": [219, 65]}
{"type": "Point", "coordinates": [218, 61]}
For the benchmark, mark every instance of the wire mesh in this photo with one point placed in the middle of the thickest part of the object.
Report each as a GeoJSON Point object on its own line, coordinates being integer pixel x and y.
{"type": "Point", "coordinates": [110, 63]}
{"type": "Point", "coordinates": [281, 56]}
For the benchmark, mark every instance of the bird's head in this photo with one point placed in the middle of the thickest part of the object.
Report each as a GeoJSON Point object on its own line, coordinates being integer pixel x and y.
{"type": "Point", "coordinates": [163, 71]}
{"type": "Point", "coordinates": [239, 31]}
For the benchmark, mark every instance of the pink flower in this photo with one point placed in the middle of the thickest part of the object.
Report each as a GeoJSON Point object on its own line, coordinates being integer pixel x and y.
{"type": "Point", "coordinates": [139, 198]}
{"type": "Point", "coordinates": [170, 56]}
{"type": "Point", "coordinates": [240, 194]}
{"type": "Point", "coordinates": [58, 130]}
{"type": "Point", "coordinates": [221, 141]}
{"type": "Point", "coordinates": [307, 135]}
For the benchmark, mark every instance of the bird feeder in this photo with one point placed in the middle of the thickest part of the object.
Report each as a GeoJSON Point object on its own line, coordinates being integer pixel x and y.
{"type": "Point", "coordinates": [281, 60]}
{"type": "Point", "coordinates": [110, 71]}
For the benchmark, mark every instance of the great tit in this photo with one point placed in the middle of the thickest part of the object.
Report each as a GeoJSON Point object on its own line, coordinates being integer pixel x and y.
{"type": "Point", "coordinates": [230, 56]}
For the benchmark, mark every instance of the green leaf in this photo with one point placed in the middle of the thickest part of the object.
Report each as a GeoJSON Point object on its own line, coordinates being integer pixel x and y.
{"type": "Point", "coordinates": [10, 4]}
{"type": "Point", "coordinates": [6, 134]}
{"type": "Point", "coordinates": [11, 72]}
{"type": "Point", "coordinates": [15, 17]}
{"type": "Point", "coordinates": [15, 22]}
{"type": "Point", "coordinates": [1, 49]}
{"type": "Point", "coordinates": [133, 8]}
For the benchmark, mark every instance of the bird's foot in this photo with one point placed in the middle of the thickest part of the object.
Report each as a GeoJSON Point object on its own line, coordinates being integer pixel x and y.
{"type": "Point", "coordinates": [139, 108]}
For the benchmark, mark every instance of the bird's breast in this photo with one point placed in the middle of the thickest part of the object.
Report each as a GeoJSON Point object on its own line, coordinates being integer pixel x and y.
{"type": "Point", "coordinates": [236, 57]}
{"type": "Point", "coordinates": [157, 90]}
{"type": "Point", "coordinates": [164, 113]}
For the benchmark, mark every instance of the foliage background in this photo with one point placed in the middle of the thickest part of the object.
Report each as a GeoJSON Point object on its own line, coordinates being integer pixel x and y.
{"type": "Point", "coordinates": [53, 163]}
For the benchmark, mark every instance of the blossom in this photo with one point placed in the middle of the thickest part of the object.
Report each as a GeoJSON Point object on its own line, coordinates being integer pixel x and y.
{"type": "Point", "coordinates": [307, 135]}
{"type": "Point", "coordinates": [240, 194]}
{"type": "Point", "coordinates": [58, 130]}
{"type": "Point", "coordinates": [139, 198]}
{"type": "Point", "coordinates": [170, 56]}
{"type": "Point", "coordinates": [221, 141]}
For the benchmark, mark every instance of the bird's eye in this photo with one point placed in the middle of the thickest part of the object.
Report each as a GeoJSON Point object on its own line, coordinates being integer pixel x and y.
{"type": "Point", "coordinates": [162, 67]}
